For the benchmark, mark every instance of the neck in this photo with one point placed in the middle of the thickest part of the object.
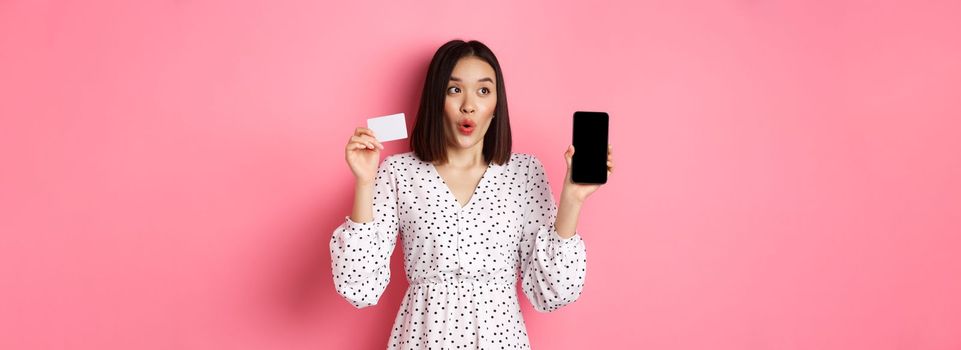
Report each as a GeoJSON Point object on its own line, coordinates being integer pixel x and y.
{"type": "Point", "coordinates": [464, 158]}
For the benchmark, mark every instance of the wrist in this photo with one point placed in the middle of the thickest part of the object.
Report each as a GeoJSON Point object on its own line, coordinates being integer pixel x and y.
{"type": "Point", "coordinates": [569, 198]}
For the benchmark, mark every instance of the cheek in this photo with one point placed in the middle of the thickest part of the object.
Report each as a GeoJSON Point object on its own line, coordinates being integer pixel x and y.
{"type": "Point", "coordinates": [490, 104]}
{"type": "Point", "coordinates": [451, 106]}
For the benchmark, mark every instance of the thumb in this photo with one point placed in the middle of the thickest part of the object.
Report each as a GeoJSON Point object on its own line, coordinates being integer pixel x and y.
{"type": "Point", "coordinates": [569, 155]}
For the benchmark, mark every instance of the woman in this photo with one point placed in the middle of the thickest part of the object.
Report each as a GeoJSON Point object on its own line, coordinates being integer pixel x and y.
{"type": "Point", "coordinates": [473, 217]}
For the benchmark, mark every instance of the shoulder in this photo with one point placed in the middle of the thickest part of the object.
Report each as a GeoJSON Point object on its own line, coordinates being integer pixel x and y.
{"type": "Point", "coordinates": [523, 164]}
{"type": "Point", "coordinates": [520, 160]}
{"type": "Point", "coordinates": [517, 160]}
{"type": "Point", "coordinates": [401, 161]}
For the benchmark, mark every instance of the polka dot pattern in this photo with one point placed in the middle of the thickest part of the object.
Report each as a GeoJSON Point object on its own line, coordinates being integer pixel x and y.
{"type": "Point", "coordinates": [462, 262]}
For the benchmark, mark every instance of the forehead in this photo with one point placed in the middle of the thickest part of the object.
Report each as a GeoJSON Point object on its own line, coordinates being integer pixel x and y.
{"type": "Point", "coordinates": [472, 68]}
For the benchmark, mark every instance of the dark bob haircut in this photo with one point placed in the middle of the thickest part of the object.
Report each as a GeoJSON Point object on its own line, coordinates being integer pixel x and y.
{"type": "Point", "coordinates": [428, 140]}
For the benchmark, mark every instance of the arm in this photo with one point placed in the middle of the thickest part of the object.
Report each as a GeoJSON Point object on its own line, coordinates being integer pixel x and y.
{"type": "Point", "coordinates": [361, 246]}
{"type": "Point", "coordinates": [363, 202]}
{"type": "Point", "coordinates": [567, 214]}
{"type": "Point", "coordinates": [553, 268]}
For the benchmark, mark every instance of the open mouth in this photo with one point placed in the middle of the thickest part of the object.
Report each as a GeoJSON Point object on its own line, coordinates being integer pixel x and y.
{"type": "Point", "coordinates": [466, 126]}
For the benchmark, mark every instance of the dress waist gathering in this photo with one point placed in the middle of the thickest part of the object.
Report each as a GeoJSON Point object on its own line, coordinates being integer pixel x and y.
{"type": "Point", "coordinates": [451, 277]}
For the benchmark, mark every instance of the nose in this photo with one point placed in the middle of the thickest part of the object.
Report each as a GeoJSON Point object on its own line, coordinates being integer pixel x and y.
{"type": "Point", "coordinates": [467, 107]}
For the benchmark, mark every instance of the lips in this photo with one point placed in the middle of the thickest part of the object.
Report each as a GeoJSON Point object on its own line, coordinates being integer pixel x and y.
{"type": "Point", "coordinates": [466, 126]}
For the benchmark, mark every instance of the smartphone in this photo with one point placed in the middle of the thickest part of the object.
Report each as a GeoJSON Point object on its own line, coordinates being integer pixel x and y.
{"type": "Point", "coordinates": [589, 164]}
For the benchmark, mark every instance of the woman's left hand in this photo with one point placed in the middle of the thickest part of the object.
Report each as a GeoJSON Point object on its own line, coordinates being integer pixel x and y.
{"type": "Point", "coordinates": [579, 192]}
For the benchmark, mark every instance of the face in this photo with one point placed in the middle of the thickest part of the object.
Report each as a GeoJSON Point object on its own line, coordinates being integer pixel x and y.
{"type": "Point", "coordinates": [469, 103]}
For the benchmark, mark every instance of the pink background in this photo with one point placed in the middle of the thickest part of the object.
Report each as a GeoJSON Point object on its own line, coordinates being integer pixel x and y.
{"type": "Point", "coordinates": [788, 172]}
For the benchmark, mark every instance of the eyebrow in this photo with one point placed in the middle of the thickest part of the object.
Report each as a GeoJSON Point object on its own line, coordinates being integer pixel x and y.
{"type": "Point", "coordinates": [479, 80]}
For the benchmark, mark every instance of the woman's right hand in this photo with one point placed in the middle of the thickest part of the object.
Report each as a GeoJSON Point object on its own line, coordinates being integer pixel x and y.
{"type": "Point", "coordinates": [363, 154]}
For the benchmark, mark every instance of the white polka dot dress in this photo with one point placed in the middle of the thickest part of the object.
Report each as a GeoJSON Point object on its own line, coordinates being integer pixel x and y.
{"type": "Point", "coordinates": [462, 263]}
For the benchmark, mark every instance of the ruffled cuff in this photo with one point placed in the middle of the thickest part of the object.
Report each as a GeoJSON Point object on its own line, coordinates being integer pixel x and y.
{"type": "Point", "coordinates": [359, 228]}
{"type": "Point", "coordinates": [573, 245]}
{"type": "Point", "coordinates": [351, 232]}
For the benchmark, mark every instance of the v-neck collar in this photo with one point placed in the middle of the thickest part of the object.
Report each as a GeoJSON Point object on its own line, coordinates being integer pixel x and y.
{"type": "Point", "coordinates": [492, 170]}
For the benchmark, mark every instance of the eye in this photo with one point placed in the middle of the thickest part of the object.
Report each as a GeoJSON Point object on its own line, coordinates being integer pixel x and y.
{"type": "Point", "coordinates": [453, 90]}
{"type": "Point", "coordinates": [485, 91]}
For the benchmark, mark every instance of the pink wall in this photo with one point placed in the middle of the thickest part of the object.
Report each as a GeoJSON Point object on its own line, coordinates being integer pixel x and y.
{"type": "Point", "coordinates": [789, 172]}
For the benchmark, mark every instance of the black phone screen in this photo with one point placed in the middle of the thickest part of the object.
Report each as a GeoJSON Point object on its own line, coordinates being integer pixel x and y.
{"type": "Point", "coordinates": [589, 164]}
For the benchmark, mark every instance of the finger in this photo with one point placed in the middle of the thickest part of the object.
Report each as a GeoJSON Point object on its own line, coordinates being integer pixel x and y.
{"type": "Point", "coordinates": [376, 143]}
{"type": "Point", "coordinates": [358, 145]}
{"type": "Point", "coordinates": [363, 145]}
{"type": "Point", "coordinates": [364, 131]}
{"type": "Point", "coordinates": [359, 140]}
{"type": "Point", "coordinates": [367, 138]}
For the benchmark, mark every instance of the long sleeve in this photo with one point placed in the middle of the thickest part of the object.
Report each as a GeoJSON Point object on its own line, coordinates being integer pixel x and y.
{"type": "Point", "coordinates": [553, 268]}
{"type": "Point", "coordinates": [360, 252]}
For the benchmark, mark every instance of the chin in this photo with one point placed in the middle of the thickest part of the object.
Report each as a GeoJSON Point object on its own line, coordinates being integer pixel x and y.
{"type": "Point", "coordinates": [466, 143]}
